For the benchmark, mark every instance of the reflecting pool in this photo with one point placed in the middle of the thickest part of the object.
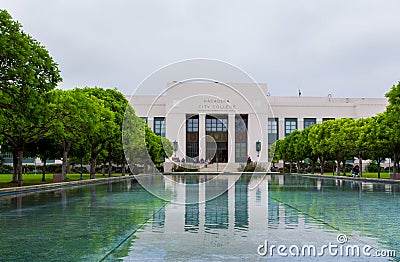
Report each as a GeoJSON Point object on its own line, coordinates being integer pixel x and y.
{"type": "Point", "coordinates": [79, 224]}
{"type": "Point", "coordinates": [123, 222]}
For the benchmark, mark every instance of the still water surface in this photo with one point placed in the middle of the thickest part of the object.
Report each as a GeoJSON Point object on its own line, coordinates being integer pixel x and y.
{"type": "Point", "coordinates": [122, 221]}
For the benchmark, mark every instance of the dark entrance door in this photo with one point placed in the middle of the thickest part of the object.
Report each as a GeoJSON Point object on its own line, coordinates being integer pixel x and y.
{"type": "Point", "coordinates": [217, 152]}
{"type": "Point", "coordinates": [217, 138]}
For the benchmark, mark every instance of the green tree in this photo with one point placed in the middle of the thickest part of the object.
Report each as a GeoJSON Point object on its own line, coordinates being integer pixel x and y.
{"type": "Point", "coordinates": [375, 139]}
{"type": "Point", "coordinates": [117, 103]}
{"type": "Point", "coordinates": [392, 123]}
{"type": "Point", "coordinates": [46, 148]}
{"type": "Point", "coordinates": [319, 140]}
{"type": "Point", "coordinates": [338, 138]}
{"type": "Point", "coordinates": [78, 111]}
{"type": "Point", "coordinates": [297, 148]}
{"type": "Point", "coordinates": [142, 146]}
{"type": "Point", "coordinates": [100, 128]}
{"type": "Point", "coordinates": [306, 149]}
{"type": "Point", "coordinates": [284, 150]}
{"type": "Point", "coordinates": [365, 143]}
{"type": "Point", "coordinates": [27, 73]}
{"type": "Point", "coordinates": [133, 139]}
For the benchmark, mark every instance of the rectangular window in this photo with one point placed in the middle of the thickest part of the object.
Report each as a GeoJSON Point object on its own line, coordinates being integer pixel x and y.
{"type": "Point", "coordinates": [159, 126]}
{"type": "Point", "coordinates": [309, 122]}
{"type": "Point", "coordinates": [192, 138]}
{"type": "Point", "coordinates": [241, 124]}
{"type": "Point", "coordinates": [241, 152]}
{"type": "Point", "coordinates": [192, 125]}
{"type": "Point", "coordinates": [241, 138]}
{"type": "Point", "coordinates": [290, 125]}
{"type": "Point", "coordinates": [273, 133]}
{"type": "Point", "coordinates": [216, 125]}
{"type": "Point", "coordinates": [272, 125]}
{"type": "Point", "coordinates": [272, 130]}
{"type": "Point", "coordinates": [192, 151]}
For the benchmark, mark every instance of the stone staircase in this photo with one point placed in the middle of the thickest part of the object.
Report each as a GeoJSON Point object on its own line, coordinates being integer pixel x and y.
{"type": "Point", "coordinates": [222, 167]}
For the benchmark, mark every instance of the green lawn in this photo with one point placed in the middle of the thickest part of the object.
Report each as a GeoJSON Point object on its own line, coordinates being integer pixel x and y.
{"type": "Point", "coordinates": [384, 175]}
{"type": "Point", "coordinates": [375, 175]}
{"type": "Point", "coordinates": [31, 179]}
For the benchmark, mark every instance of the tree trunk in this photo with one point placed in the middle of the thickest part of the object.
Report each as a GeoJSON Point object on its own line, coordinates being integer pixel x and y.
{"type": "Point", "coordinates": [103, 169]}
{"type": "Point", "coordinates": [44, 169]}
{"type": "Point", "coordinates": [344, 167]}
{"type": "Point", "coordinates": [338, 161]}
{"type": "Point", "coordinates": [321, 159]}
{"type": "Point", "coordinates": [395, 163]}
{"type": "Point", "coordinates": [109, 167]}
{"type": "Point", "coordinates": [92, 166]}
{"type": "Point", "coordinates": [298, 167]}
{"type": "Point", "coordinates": [360, 164]}
{"type": "Point", "coordinates": [123, 167]}
{"type": "Point", "coordinates": [312, 166]}
{"type": "Point", "coordinates": [66, 147]}
{"type": "Point", "coordinates": [379, 167]}
{"type": "Point", "coordinates": [15, 166]}
{"type": "Point", "coordinates": [290, 167]}
{"type": "Point", "coordinates": [20, 157]}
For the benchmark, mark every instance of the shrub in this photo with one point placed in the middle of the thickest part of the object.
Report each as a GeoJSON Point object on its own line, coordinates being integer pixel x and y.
{"type": "Point", "coordinates": [77, 170]}
{"type": "Point", "coordinates": [251, 167]}
{"type": "Point", "coordinates": [56, 168]}
{"type": "Point", "coordinates": [185, 168]}
{"type": "Point", "coordinates": [5, 169]}
{"type": "Point", "coordinates": [373, 167]}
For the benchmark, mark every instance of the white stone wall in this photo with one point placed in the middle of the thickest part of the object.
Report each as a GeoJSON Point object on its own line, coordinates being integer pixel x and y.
{"type": "Point", "coordinates": [201, 99]}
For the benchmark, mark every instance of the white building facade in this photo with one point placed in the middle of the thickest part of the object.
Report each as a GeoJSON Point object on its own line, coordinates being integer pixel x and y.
{"type": "Point", "coordinates": [226, 123]}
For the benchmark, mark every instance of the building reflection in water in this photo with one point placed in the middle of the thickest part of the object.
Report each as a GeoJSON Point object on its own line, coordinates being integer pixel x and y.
{"type": "Point", "coordinates": [230, 210]}
{"type": "Point", "coordinates": [243, 207]}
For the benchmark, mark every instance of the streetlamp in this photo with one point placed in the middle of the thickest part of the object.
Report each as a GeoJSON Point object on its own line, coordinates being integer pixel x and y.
{"type": "Point", "coordinates": [258, 147]}
{"type": "Point", "coordinates": [175, 147]}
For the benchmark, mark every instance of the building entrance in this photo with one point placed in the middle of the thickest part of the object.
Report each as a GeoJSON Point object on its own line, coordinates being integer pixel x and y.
{"type": "Point", "coordinates": [217, 152]}
{"type": "Point", "coordinates": [217, 138]}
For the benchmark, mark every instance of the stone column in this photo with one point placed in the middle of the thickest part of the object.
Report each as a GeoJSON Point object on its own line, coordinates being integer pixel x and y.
{"type": "Point", "coordinates": [202, 136]}
{"type": "Point", "coordinates": [281, 127]}
{"type": "Point", "coordinates": [231, 138]}
{"type": "Point", "coordinates": [300, 123]}
{"type": "Point", "coordinates": [150, 123]}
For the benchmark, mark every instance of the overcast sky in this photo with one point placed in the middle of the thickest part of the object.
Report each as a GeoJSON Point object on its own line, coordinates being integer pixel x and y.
{"type": "Point", "coordinates": [340, 47]}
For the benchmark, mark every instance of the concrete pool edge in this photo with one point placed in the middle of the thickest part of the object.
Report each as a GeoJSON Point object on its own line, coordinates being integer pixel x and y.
{"type": "Point", "coordinates": [54, 186]}
{"type": "Point", "coordinates": [360, 179]}
{"type": "Point", "coordinates": [61, 185]}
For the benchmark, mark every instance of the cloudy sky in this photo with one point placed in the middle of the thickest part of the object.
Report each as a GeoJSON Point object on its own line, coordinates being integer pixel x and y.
{"type": "Point", "coordinates": [341, 47]}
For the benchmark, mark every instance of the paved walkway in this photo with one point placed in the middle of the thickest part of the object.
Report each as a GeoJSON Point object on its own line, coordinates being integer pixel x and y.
{"type": "Point", "coordinates": [362, 179]}
{"type": "Point", "coordinates": [212, 168]}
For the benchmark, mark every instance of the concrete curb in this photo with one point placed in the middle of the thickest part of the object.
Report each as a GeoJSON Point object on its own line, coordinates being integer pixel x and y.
{"type": "Point", "coordinates": [61, 185]}
{"type": "Point", "coordinates": [360, 179]}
